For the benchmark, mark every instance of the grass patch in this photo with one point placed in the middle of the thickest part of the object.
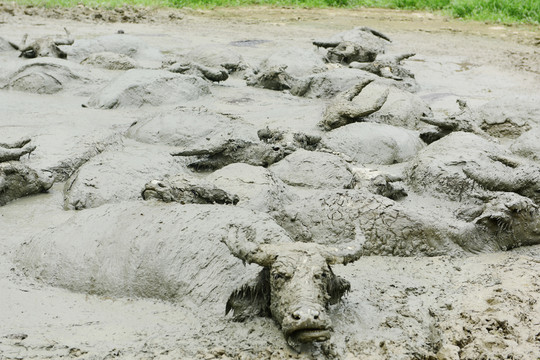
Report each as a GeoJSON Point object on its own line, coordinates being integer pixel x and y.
{"type": "Point", "coordinates": [527, 11]}
{"type": "Point", "coordinates": [506, 11]}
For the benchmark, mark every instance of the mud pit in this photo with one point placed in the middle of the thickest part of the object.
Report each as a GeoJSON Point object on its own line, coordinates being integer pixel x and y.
{"type": "Point", "coordinates": [447, 215]}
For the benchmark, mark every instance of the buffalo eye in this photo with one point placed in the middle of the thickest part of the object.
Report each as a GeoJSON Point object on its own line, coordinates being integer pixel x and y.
{"type": "Point", "coordinates": [279, 276]}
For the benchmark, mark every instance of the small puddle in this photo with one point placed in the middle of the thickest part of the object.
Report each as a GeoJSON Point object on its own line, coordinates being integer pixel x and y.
{"type": "Point", "coordinates": [248, 43]}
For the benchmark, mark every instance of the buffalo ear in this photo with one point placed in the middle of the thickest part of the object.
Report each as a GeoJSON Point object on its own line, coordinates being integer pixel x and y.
{"type": "Point", "coordinates": [252, 299]}
{"type": "Point", "coordinates": [337, 287]}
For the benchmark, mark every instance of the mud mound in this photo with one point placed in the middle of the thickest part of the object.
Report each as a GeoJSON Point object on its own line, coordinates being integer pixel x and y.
{"type": "Point", "coordinates": [509, 117]}
{"type": "Point", "coordinates": [257, 188]}
{"type": "Point", "coordinates": [120, 44]}
{"type": "Point", "coordinates": [328, 216]}
{"type": "Point", "coordinates": [298, 62]}
{"type": "Point", "coordinates": [173, 254]}
{"type": "Point", "coordinates": [136, 88]}
{"type": "Point", "coordinates": [527, 144]}
{"type": "Point", "coordinates": [216, 56]}
{"type": "Point", "coordinates": [401, 108]}
{"type": "Point", "coordinates": [329, 83]}
{"type": "Point", "coordinates": [49, 76]}
{"type": "Point", "coordinates": [118, 175]}
{"type": "Point", "coordinates": [370, 143]}
{"type": "Point", "coordinates": [18, 180]}
{"type": "Point", "coordinates": [314, 170]}
{"type": "Point", "coordinates": [110, 61]}
{"type": "Point", "coordinates": [190, 130]}
{"type": "Point", "coordinates": [438, 168]}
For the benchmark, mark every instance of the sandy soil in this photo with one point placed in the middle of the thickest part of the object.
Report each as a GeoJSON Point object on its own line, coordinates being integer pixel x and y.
{"type": "Point", "coordinates": [484, 306]}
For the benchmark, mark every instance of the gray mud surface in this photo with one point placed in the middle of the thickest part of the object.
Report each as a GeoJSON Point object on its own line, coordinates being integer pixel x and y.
{"type": "Point", "coordinates": [90, 270]}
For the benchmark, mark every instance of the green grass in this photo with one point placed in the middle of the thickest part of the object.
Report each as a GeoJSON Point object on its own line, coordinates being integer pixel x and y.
{"type": "Point", "coordinates": [505, 11]}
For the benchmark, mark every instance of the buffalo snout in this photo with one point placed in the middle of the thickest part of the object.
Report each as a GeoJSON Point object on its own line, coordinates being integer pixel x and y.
{"type": "Point", "coordinates": [307, 324]}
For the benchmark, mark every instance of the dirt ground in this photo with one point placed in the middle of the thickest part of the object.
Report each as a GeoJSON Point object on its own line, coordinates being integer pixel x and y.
{"type": "Point", "coordinates": [483, 306]}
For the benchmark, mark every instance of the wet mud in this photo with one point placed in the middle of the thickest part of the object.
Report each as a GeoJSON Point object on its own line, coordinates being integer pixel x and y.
{"type": "Point", "coordinates": [268, 183]}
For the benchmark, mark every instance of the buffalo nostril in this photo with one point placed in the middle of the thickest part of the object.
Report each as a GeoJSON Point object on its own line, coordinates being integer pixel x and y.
{"type": "Point", "coordinates": [300, 315]}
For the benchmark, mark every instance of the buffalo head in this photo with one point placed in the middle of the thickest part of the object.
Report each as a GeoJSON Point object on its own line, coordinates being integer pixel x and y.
{"type": "Point", "coordinates": [295, 286]}
{"type": "Point", "coordinates": [44, 47]}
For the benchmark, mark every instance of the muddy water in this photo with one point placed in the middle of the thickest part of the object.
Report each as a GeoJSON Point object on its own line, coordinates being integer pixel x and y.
{"type": "Point", "coordinates": [399, 308]}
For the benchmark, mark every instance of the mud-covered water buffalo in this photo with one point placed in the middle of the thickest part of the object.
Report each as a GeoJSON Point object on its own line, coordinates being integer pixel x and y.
{"type": "Point", "coordinates": [358, 44]}
{"type": "Point", "coordinates": [14, 150]}
{"type": "Point", "coordinates": [187, 190]}
{"type": "Point", "coordinates": [44, 47]}
{"type": "Point", "coordinates": [295, 286]}
{"type": "Point", "coordinates": [388, 66]}
{"type": "Point", "coordinates": [237, 151]}
{"type": "Point", "coordinates": [351, 106]}
{"type": "Point", "coordinates": [17, 179]}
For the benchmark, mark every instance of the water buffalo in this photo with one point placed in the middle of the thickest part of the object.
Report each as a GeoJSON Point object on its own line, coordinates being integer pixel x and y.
{"type": "Point", "coordinates": [351, 106]}
{"type": "Point", "coordinates": [13, 151]}
{"type": "Point", "coordinates": [44, 47]}
{"type": "Point", "coordinates": [295, 286]}
{"type": "Point", "coordinates": [18, 179]}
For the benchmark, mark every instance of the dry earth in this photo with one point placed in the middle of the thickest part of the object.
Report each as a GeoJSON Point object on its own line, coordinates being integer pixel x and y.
{"type": "Point", "coordinates": [483, 306]}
